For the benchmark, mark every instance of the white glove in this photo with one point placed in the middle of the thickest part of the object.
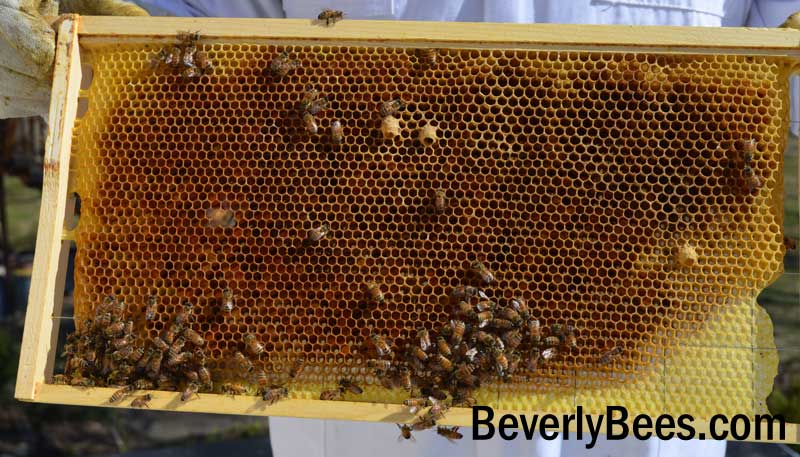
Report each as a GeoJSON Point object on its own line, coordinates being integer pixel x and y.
{"type": "Point", "coordinates": [27, 48]}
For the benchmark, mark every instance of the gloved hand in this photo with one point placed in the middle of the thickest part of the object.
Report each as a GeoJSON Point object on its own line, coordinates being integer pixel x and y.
{"type": "Point", "coordinates": [792, 22]}
{"type": "Point", "coordinates": [27, 49]}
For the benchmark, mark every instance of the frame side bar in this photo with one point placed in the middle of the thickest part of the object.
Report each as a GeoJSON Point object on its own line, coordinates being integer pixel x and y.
{"type": "Point", "coordinates": [37, 337]}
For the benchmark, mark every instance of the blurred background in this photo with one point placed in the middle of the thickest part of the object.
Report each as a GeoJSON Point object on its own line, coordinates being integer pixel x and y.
{"type": "Point", "coordinates": [28, 429]}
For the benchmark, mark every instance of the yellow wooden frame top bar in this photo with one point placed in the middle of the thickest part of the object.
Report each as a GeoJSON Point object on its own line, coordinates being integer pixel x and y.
{"type": "Point", "coordinates": [727, 40]}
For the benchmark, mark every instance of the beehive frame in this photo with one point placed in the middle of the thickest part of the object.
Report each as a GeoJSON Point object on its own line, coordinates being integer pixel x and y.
{"type": "Point", "coordinates": [38, 350]}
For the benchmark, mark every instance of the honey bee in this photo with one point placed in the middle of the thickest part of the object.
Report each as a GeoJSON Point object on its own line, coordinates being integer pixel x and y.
{"type": "Point", "coordinates": [187, 57]}
{"type": "Point", "coordinates": [442, 362]}
{"type": "Point", "coordinates": [458, 329]}
{"type": "Point", "coordinates": [482, 272]}
{"type": "Point", "coordinates": [254, 347]}
{"type": "Point", "coordinates": [121, 393]}
{"type": "Point", "coordinates": [160, 344]}
{"type": "Point", "coordinates": [549, 353]}
{"type": "Point", "coordinates": [142, 401]}
{"type": "Point", "coordinates": [203, 63]}
{"type": "Point", "coordinates": [434, 393]}
{"type": "Point", "coordinates": [261, 377]}
{"type": "Point", "coordinates": [485, 318]}
{"type": "Point", "coordinates": [331, 394]}
{"type": "Point", "coordinates": [748, 151]}
{"type": "Point", "coordinates": [194, 337]}
{"type": "Point", "coordinates": [122, 354]}
{"type": "Point", "coordinates": [470, 354]}
{"type": "Point", "coordinates": [337, 133]}
{"type": "Point", "coordinates": [282, 65]}
{"type": "Point", "coordinates": [438, 410]}
{"type": "Point", "coordinates": [512, 339]}
{"type": "Point", "coordinates": [80, 381]}
{"type": "Point", "coordinates": [60, 379]}
{"type": "Point", "coordinates": [752, 182]}
{"type": "Point", "coordinates": [178, 359]}
{"type": "Point", "coordinates": [296, 367]}
{"type": "Point", "coordinates": [150, 311]}
{"type": "Point", "coordinates": [199, 356]}
{"type": "Point", "coordinates": [346, 384]}
{"type": "Point", "coordinates": [464, 371]}
{"type": "Point", "coordinates": [501, 324]}
{"type": "Point", "coordinates": [521, 306]}
{"type": "Point", "coordinates": [535, 331]}
{"type": "Point", "coordinates": [381, 346]}
{"type": "Point", "coordinates": [418, 353]}
{"type": "Point", "coordinates": [330, 16]}
{"type": "Point", "coordinates": [415, 404]}
{"type": "Point", "coordinates": [443, 347]}
{"type": "Point", "coordinates": [143, 384]}
{"type": "Point", "coordinates": [466, 292]}
{"type": "Point", "coordinates": [192, 376]}
{"type": "Point", "coordinates": [465, 309]}
{"type": "Point", "coordinates": [243, 362]}
{"type": "Point", "coordinates": [403, 378]}
{"type": "Point", "coordinates": [227, 300]}
{"type": "Point", "coordinates": [142, 363]}
{"type": "Point", "coordinates": [391, 107]}
{"type": "Point", "coordinates": [232, 389]}
{"type": "Point", "coordinates": [191, 73]}
{"type": "Point", "coordinates": [552, 341]}
{"type": "Point", "coordinates": [486, 305]}
{"type": "Point", "coordinates": [439, 201]}
{"type": "Point", "coordinates": [275, 394]}
{"type": "Point", "coordinates": [423, 422]}
{"type": "Point", "coordinates": [427, 56]}
{"type": "Point", "coordinates": [462, 398]}
{"type": "Point", "coordinates": [169, 333]}
{"type": "Point", "coordinates": [114, 329]}
{"type": "Point", "coordinates": [382, 365]}
{"type": "Point", "coordinates": [374, 292]}
{"type": "Point", "coordinates": [424, 339]}
{"type": "Point", "coordinates": [190, 390]}
{"type": "Point", "coordinates": [222, 216]}
{"type": "Point", "coordinates": [569, 337]}
{"type": "Point", "coordinates": [317, 233]}
{"type": "Point", "coordinates": [118, 343]}
{"type": "Point", "coordinates": [510, 314]}
{"type": "Point", "coordinates": [166, 383]}
{"type": "Point", "coordinates": [173, 56]}
{"type": "Point", "coordinates": [184, 314]}
{"type": "Point", "coordinates": [205, 376]}
{"type": "Point", "coordinates": [608, 356]}
{"type": "Point", "coordinates": [137, 355]}
{"type": "Point", "coordinates": [176, 346]}
{"type": "Point", "coordinates": [405, 433]}
{"type": "Point", "coordinates": [154, 364]}
{"type": "Point", "coordinates": [501, 361]}
{"type": "Point", "coordinates": [310, 123]}
{"type": "Point", "coordinates": [188, 38]}
{"type": "Point", "coordinates": [452, 434]}
{"type": "Point", "coordinates": [789, 243]}
{"type": "Point", "coordinates": [312, 102]}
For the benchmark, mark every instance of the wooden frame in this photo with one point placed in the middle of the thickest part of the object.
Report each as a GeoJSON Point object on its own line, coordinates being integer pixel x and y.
{"type": "Point", "coordinates": [41, 328]}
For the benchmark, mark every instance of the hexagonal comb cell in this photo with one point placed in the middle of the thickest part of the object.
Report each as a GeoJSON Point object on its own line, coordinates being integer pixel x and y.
{"type": "Point", "coordinates": [574, 176]}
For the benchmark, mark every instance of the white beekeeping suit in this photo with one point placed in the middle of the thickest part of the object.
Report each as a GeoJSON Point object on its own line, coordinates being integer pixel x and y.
{"type": "Point", "coordinates": [317, 438]}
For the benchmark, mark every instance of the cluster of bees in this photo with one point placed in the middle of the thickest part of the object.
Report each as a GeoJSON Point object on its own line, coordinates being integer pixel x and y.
{"type": "Point", "coordinates": [741, 166]}
{"type": "Point", "coordinates": [485, 341]}
{"type": "Point", "coordinates": [184, 57]}
{"type": "Point", "coordinates": [105, 352]}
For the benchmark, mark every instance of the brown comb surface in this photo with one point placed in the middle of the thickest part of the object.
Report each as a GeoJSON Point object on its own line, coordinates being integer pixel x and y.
{"type": "Point", "coordinates": [574, 176]}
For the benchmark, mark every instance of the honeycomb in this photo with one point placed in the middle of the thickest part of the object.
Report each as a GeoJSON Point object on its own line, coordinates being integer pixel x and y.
{"type": "Point", "coordinates": [574, 176]}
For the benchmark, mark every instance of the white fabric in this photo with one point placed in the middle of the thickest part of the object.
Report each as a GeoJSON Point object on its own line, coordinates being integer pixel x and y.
{"type": "Point", "coordinates": [314, 438]}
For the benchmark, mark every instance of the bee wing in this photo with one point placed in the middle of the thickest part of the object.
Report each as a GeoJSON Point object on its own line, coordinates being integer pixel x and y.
{"type": "Point", "coordinates": [231, 222]}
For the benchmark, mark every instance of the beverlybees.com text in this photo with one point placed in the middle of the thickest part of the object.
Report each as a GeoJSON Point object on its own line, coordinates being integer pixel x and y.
{"type": "Point", "coordinates": [617, 424]}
